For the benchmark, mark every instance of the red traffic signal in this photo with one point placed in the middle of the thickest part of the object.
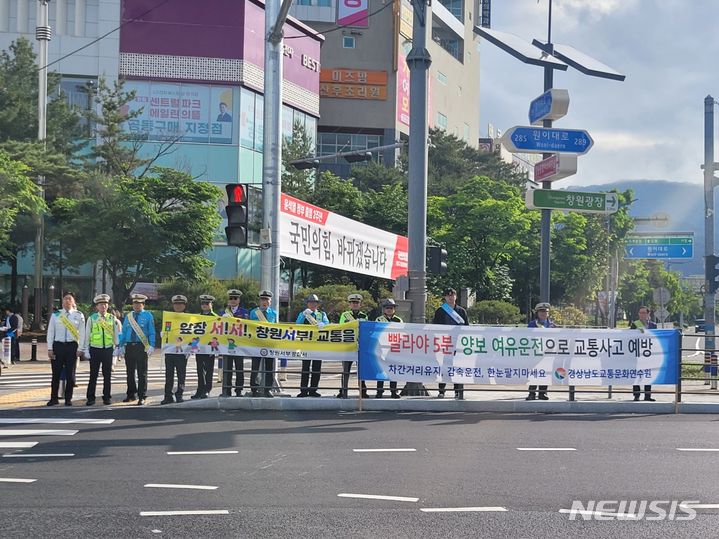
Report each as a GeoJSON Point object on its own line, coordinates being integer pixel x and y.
{"type": "Point", "coordinates": [237, 214]}
{"type": "Point", "coordinates": [236, 193]}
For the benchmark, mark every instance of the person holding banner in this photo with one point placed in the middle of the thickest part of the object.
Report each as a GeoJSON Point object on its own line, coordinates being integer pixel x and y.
{"type": "Point", "coordinates": [138, 341]}
{"type": "Point", "coordinates": [65, 335]}
{"type": "Point", "coordinates": [176, 360]}
{"type": "Point", "coordinates": [262, 367]}
{"type": "Point", "coordinates": [101, 340]}
{"type": "Point", "coordinates": [314, 317]}
{"type": "Point", "coordinates": [389, 307]}
{"type": "Point", "coordinates": [355, 313]}
{"type": "Point", "coordinates": [452, 314]}
{"type": "Point", "coordinates": [643, 323]}
{"type": "Point", "coordinates": [542, 320]}
{"type": "Point", "coordinates": [236, 363]}
{"type": "Point", "coordinates": [205, 362]}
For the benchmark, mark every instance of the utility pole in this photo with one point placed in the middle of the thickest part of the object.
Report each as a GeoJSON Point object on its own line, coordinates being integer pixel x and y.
{"type": "Point", "coordinates": [546, 218]}
{"type": "Point", "coordinates": [418, 61]}
{"type": "Point", "coordinates": [709, 182]}
{"type": "Point", "coordinates": [43, 34]}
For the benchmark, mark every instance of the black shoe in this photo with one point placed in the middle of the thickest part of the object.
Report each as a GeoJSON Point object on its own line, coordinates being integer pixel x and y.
{"type": "Point", "coordinates": [341, 395]}
{"type": "Point", "coordinates": [179, 399]}
{"type": "Point", "coordinates": [460, 396]}
{"type": "Point", "coordinates": [530, 397]}
{"type": "Point", "coordinates": [365, 395]}
{"type": "Point", "coordinates": [204, 396]}
{"type": "Point", "coordinates": [395, 395]}
{"type": "Point", "coordinates": [140, 402]}
{"type": "Point", "coordinates": [440, 395]}
{"type": "Point", "coordinates": [650, 399]}
{"type": "Point", "coordinates": [302, 394]}
{"type": "Point", "coordinates": [106, 402]}
{"type": "Point", "coordinates": [238, 394]}
{"type": "Point", "coordinates": [68, 403]}
{"type": "Point", "coordinates": [196, 396]}
{"type": "Point", "coordinates": [378, 395]}
{"type": "Point", "coordinates": [90, 402]}
{"type": "Point", "coordinates": [543, 397]}
{"type": "Point", "coordinates": [167, 401]}
{"type": "Point", "coordinates": [129, 398]}
{"type": "Point", "coordinates": [255, 393]}
{"type": "Point", "coordinates": [268, 395]}
{"type": "Point", "coordinates": [314, 394]}
{"type": "Point", "coordinates": [52, 402]}
{"type": "Point", "coordinates": [636, 398]}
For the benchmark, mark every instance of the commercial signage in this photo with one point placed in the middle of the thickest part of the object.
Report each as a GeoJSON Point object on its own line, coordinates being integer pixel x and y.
{"type": "Point", "coordinates": [312, 234]}
{"type": "Point", "coordinates": [402, 90]}
{"type": "Point", "coordinates": [553, 199]}
{"type": "Point", "coordinates": [555, 167]}
{"type": "Point", "coordinates": [651, 246]}
{"type": "Point", "coordinates": [353, 13]}
{"type": "Point", "coordinates": [353, 84]}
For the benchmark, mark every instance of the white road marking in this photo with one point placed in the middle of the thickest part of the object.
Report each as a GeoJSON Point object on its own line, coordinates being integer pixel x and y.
{"type": "Point", "coordinates": [461, 509]}
{"type": "Point", "coordinates": [37, 432]}
{"type": "Point", "coordinates": [167, 485]}
{"type": "Point", "coordinates": [54, 420]}
{"type": "Point", "coordinates": [597, 513]}
{"type": "Point", "coordinates": [233, 452]}
{"type": "Point", "coordinates": [700, 505]}
{"type": "Point", "coordinates": [37, 455]}
{"type": "Point", "coordinates": [177, 513]}
{"type": "Point", "coordinates": [389, 450]}
{"type": "Point", "coordinates": [696, 348]}
{"type": "Point", "coordinates": [17, 445]}
{"type": "Point", "coordinates": [378, 497]}
{"type": "Point", "coordinates": [697, 449]}
{"type": "Point", "coordinates": [546, 449]}
{"type": "Point", "coordinates": [16, 480]}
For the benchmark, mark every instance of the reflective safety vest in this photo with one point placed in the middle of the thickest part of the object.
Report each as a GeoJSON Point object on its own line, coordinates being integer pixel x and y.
{"type": "Point", "coordinates": [102, 331]}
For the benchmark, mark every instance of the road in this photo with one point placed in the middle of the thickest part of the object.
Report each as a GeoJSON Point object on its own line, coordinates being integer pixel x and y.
{"type": "Point", "coordinates": [299, 474]}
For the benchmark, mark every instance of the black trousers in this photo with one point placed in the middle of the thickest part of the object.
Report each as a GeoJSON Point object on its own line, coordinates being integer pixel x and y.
{"type": "Point", "coordinates": [14, 349]}
{"type": "Point", "coordinates": [136, 362]}
{"type": "Point", "coordinates": [346, 368]}
{"type": "Point", "coordinates": [175, 362]}
{"type": "Point", "coordinates": [380, 387]}
{"type": "Point", "coordinates": [261, 372]}
{"type": "Point", "coordinates": [100, 357]}
{"type": "Point", "coordinates": [542, 390]}
{"type": "Point", "coordinates": [638, 391]}
{"type": "Point", "coordinates": [237, 364]}
{"type": "Point", "coordinates": [65, 358]}
{"type": "Point", "coordinates": [316, 366]}
{"type": "Point", "coordinates": [205, 372]}
{"type": "Point", "coordinates": [458, 389]}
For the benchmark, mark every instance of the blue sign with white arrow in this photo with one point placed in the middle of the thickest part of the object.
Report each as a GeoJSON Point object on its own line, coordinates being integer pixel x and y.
{"type": "Point", "coordinates": [521, 139]}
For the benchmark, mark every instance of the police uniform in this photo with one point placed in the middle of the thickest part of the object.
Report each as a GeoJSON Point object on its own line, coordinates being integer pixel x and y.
{"type": "Point", "coordinates": [234, 364]}
{"type": "Point", "coordinates": [443, 316]}
{"type": "Point", "coordinates": [637, 390]}
{"type": "Point", "coordinates": [388, 318]}
{"type": "Point", "coordinates": [205, 362]}
{"type": "Point", "coordinates": [175, 361]}
{"type": "Point", "coordinates": [65, 335]}
{"type": "Point", "coordinates": [537, 323]}
{"type": "Point", "coordinates": [263, 367]}
{"type": "Point", "coordinates": [138, 347]}
{"type": "Point", "coordinates": [101, 339]}
{"type": "Point", "coordinates": [350, 316]}
{"type": "Point", "coordinates": [308, 388]}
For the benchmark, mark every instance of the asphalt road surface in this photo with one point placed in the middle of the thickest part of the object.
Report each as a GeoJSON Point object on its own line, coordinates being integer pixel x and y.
{"type": "Point", "coordinates": [137, 472]}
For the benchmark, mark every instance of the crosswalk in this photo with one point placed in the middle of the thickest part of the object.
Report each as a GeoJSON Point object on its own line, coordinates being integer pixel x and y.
{"type": "Point", "coordinates": [32, 380]}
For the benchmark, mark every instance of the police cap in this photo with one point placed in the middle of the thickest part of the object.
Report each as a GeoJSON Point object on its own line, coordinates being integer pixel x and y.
{"type": "Point", "coordinates": [138, 298]}
{"type": "Point", "coordinates": [207, 298]}
{"type": "Point", "coordinates": [265, 294]}
{"type": "Point", "coordinates": [542, 306]}
{"type": "Point", "coordinates": [354, 297]}
{"type": "Point", "coordinates": [179, 298]}
{"type": "Point", "coordinates": [312, 297]}
{"type": "Point", "coordinates": [389, 302]}
{"type": "Point", "coordinates": [101, 298]}
{"type": "Point", "coordinates": [234, 293]}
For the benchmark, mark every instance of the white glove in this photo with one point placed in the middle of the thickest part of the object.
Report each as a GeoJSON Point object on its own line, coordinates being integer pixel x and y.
{"type": "Point", "coordinates": [308, 312]}
{"type": "Point", "coordinates": [118, 351]}
{"type": "Point", "coordinates": [150, 350]}
{"type": "Point", "coordinates": [320, 324]}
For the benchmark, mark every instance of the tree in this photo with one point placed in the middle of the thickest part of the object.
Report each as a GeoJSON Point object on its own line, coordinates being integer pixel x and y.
{"type": "Point", "coordinates": [494, 312]}
{"type": "Point", "coordinates": [297, 183]}
{"type": "Point", "coordinates": [375, 177]}
{"type": "Point", "coordinates": [18, 194]}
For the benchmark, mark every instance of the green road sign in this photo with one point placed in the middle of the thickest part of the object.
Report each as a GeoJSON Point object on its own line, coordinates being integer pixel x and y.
{"type": "Point", "coordinates": [551, 199]}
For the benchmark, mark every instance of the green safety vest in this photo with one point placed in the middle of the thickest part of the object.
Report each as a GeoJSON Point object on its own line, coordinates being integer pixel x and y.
{"type": "Point", "coordinates": [102, 332]}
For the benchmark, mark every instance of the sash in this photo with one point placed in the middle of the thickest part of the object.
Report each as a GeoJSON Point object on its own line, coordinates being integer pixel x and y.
{"type": "Point", "coordinates": [639, 325]}
{"type": "Point", "coordinates": [68, 325]}
{"type": "Point", "coordinates": [311, 319]}
{"type": "Point", "coordinates": [350, 318]}
{"type": "Point", "coordinates": [138, 330]}
{"type": "Point", "coordinates": [260, 315]}
{"type": "Point", "coordinates": [108, 326]}
{"type": "Point", "coordinates": [229, 313]}
{"type": "Point", "coordinates": [453, 314]}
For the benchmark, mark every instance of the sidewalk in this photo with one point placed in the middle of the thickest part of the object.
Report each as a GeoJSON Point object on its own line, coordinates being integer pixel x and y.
{"type": "Point", "coordinates": [497, 398]}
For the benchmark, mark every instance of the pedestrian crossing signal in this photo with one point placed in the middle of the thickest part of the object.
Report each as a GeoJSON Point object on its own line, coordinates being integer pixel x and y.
{"type": "Point", "coordinates": [712, 273]}
{"type": "Point", "coordinates": [237, 214]}
{"type": "Point", "coordinates": [436, 260]}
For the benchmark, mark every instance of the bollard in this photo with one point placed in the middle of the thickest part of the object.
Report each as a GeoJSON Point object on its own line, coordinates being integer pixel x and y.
{"type": "Point", "coordinates": [707, 363]}
{"type": "Point", "coordinates": [33, 350]}
{"type": "Point", "coordinates": [6, 351]}
{"type": "Point", "coordinates": [713, 370]}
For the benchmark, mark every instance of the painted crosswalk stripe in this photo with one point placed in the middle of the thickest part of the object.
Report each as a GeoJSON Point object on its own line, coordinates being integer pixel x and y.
{"type": "Point", "coordinates": [54, 421]}
{"type": "Point", "coordinates": [178, 513]}
{"type": "Point", "coordinates": [698, 449]}
{"type": "Point", "coordinates": [229, 452]}
{"type": "Point", "coordinates": [37, 432]}
{"type": "Point", "coordinates": [546, 449]}
{"type": "Point", "coordinates": [389, 450]}
{"type": "Point", "coordinates": [378, 497]}
{"type": "Point", "coordinates": [16, 480]}
{"type": "Point", "coordinates": [17, 445]}
{"type": "Point", "coordinates": [191, 487]}
{"type": "Point", "coordinates": [36, 455]}
{"type": "Point", "coordinates": [463, 509]}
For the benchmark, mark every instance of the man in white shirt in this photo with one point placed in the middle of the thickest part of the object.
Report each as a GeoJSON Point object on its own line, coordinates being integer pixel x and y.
{"type": "Point", "coordinates": [65, 335]}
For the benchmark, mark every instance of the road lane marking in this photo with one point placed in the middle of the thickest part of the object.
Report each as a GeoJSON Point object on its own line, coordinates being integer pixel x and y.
{"type": "Point", "coordinates": [178, 513]}
{"type": "Point", "coordinates": [36, 455]}
{"type": "Point", "coordinates": [378, 497]}
{"type": "Point", "coordinates": [462, 509]}
{"type": "Point", "coordinates": [546, 449]}
{"type": "Point", "coordinates": [16, 480]}
{"type": "Point", "coordinates": [697, 449]}
{"type": "Point", "coordinates": [54, 420]}
{"type": "Point", "coordinates": [168, 485]}
{"type": "Point", "coordinates": [597, 513]}
{"type": "Point", "coordinates": [233, 452]}
{"type": "Point", "coordinates": [17, 445]}
{"type": "Point", "coordinates": [37, 432]}
{"type": "Point", "coordinates": [389, 450]}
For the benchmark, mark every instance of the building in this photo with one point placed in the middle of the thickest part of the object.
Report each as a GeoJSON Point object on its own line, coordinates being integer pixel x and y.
{"type": "Point", "coordinates": [364, 81]}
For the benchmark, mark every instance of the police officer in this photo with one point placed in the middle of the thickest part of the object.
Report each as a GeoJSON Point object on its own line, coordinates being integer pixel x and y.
{"type": "Point", "coordinates": [262, 366]}
{"type": "Point", "coordinates": [101, 340]}
{"type": "Point", "coordinates": [452, 314]}
{"type": "Point", "coordinates": [205, 362]}
{"type": "Point", "coordinates": [65, 338]}
{"type": "Point", "coordinates": [541, 320]}
{"type": "Point", "coordinates": [643, 323]}
{"type": "Point", "coordinates": [355, 312]}
{"type": "Point", "coordinates": [176, 360]}
{"type": "Point", "coordinates": [233, 363]}
{"type": "Point", "coordinates": [138, 340]}
{"type": "Point", "coordinates": [312, 316]}
{"type": "Point", "coordinates": [389, 308]}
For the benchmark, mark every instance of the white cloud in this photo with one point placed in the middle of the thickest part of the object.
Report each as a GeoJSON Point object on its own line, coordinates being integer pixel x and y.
{"type": "Point", "coordinates": [626, 141]}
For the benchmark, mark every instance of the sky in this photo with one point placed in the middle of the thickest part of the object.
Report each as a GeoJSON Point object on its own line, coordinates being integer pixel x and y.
{"type": "Point", "coordinates": [651, 126]}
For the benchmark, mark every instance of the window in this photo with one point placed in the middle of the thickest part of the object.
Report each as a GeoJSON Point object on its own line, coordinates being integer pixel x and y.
{"type": "Point", "coordinates": [324, 3]}
{"type": "Point", "coordinates": [332, 143]}
{"type": "Point", "coordinates": [92, 9]}
{"type": "Point", "coordinates": [441, 77]}
{"type": "Point", "coordinates": [441, 121]}
{"type": "Point", "coordinates": [304, 2]}
{"type": "Point", "coordinates": [348, 42]}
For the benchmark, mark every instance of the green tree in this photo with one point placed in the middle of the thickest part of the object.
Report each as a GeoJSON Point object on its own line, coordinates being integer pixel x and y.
{"type": "Point", "coordinates": [297, 183]}
{"type": "Point", "coordinates": [18, 194]}
{"type": "Point", "coordinates": [375, 177]}
{"type": "Point", "coordinates": [494, 312]}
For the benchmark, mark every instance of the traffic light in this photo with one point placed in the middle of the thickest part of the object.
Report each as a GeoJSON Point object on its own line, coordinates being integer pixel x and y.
{"type": "Point", "coordinates": [436, 260]}
{"type": "Point", "coordinates": [237, 214]}
{"type": "Point", "coordinates": [711, 272]}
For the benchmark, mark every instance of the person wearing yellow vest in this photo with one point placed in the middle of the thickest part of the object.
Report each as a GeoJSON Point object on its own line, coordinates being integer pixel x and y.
{"type": "Point", "coordinates": [101, 338]}
{"type": "Point", "coordinates": [138, 341]}
{"type": "Point", "coordinates": [355, 312]}
{"type": "Point", "coordinates": [65, 338]}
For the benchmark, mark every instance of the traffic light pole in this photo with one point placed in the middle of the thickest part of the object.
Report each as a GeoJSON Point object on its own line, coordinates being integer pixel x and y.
{"type": "Point", "coordinates": [709, 181]}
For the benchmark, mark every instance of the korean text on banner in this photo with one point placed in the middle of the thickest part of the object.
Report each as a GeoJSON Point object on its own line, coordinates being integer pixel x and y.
{"type": "Point", "coordinates": [481, 355]}
{"type": "Point", "coordinates": [196, 334]}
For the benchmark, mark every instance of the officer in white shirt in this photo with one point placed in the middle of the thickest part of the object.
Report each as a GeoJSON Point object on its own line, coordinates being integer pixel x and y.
{"type": "Point", "coordinates": [65, 335]}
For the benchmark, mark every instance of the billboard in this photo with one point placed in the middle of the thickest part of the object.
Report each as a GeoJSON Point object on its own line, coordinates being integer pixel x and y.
{"type": "Point", "coordinates": [353, 13]}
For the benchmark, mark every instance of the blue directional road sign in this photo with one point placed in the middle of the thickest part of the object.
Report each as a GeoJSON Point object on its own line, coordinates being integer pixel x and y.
{"type": "Point", "coordinates": [521, 139]}
{"type": "Point", "coordinates": [659, 246]}
{"type": "Point", "coordinates": [551, 105]}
